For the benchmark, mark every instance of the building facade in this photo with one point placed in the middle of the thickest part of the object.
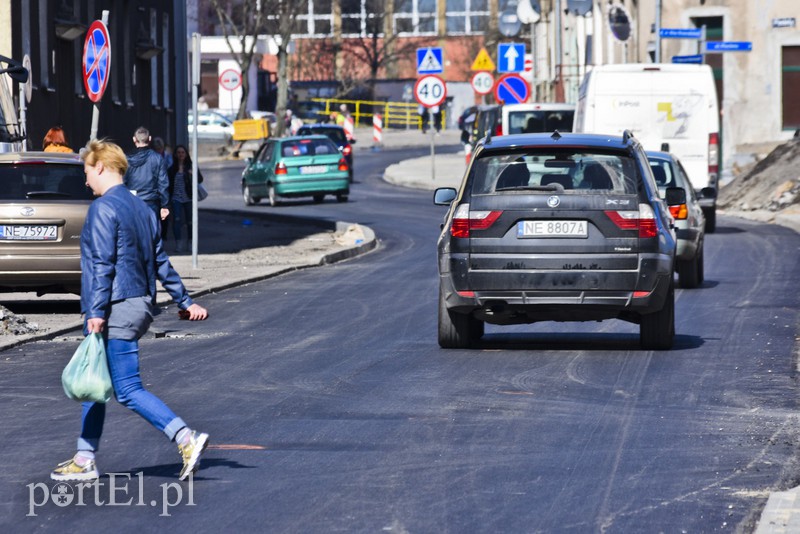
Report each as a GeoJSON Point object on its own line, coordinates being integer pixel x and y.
{"type": "Point", "coordinates": [147, 84]}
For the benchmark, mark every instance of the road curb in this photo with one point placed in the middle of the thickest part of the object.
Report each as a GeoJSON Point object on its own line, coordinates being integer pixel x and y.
{"type": "Point", "coordinates": [370, 243]}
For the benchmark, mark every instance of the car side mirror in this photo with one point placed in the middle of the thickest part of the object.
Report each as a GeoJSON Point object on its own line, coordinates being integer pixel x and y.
{"type": "Point", "coordinates": [675, 196]}
{"type": "Point", "coordinates": [444, 196]}
{"type": "Point", "coordinates": [352, 141]}
{"type": "Point", "coordinates": [709, 192]}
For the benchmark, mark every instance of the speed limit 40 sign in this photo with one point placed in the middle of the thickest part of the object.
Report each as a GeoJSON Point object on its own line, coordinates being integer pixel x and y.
{"type": "Point", "coordinates": [430, 91]}
{"type": "Point", "coordinates": [482, 82]}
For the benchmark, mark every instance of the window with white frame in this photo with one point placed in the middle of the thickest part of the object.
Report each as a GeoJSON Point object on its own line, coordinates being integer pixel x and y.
{"type": "Point", "coordinates": [362, 17]}
{"type": "Point", "coordinates": [318, 20]}
{"type": "Point", "coordinates": [415, 17]}
{"type": "Point", "coordinates": [467, 16]}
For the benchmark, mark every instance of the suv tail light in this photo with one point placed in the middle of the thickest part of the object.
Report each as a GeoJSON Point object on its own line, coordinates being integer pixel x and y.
{"type": "Point", "coordinates": [280, 168]}
{"type": "Point", "coordinates": [464, 221]}
{"type": "Point", "coordinates": [713, 154]}
{"type": "Point", "coordinates": [343, 165]}
{"type": "Point", "coordinates": [679, 212]}
{"type": "Point", "coordinates": [643, 220]}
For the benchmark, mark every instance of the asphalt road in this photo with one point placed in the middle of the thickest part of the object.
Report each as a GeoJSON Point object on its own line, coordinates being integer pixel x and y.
{"type": "Point", "coordinates": [332, 409]}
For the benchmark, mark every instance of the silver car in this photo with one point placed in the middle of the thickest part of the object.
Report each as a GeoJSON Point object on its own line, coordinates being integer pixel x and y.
{"type": "Point", "coordinates": [689, 219]}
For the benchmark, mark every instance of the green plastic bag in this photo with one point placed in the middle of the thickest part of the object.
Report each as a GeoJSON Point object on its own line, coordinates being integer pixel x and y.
{"type": "Point", "coordinates": [86, 376]}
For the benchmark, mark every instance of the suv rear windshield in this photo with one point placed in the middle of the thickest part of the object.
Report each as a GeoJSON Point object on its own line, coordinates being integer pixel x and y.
{"type": "Point", "coordinates": [308, 147]}
{"type": "Point", "coordinates": [43, 181]}
{"type": "Point", "coordinates": [555, 170]}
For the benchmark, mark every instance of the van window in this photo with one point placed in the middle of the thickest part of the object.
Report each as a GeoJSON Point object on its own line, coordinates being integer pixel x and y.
{"type": "Point", "coordinates": [544, 170]}
{"type": "Point", "coordinates": [531, 121]}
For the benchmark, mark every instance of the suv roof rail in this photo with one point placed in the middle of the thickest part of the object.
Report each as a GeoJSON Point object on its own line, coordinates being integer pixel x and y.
{"type": "Point", "coordinates": [627, 135]}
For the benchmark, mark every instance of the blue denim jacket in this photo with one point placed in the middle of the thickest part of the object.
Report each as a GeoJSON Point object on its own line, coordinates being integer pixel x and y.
{"type": "Point", "coordinates": [122, 254]}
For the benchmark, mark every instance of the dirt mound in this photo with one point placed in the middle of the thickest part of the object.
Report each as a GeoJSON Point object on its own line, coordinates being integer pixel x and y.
{"type": "Point", "coordinates": [773, 184]}
{"type": "Point", "coordinates": [15, 325]}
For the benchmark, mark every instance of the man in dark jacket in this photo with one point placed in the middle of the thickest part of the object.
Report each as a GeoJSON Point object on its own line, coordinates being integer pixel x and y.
{"type": "Point", "coordinates": [147, 175]}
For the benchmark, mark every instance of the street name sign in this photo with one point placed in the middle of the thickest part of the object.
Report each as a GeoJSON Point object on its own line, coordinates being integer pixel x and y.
{"type": "Point", "coordinates": [511, 89]}
{"type": "Point", "coordinates": [430, 90]}
{"type": "Point", "coordinates": [681, 33]}
{"type": "Point", "coordinates": [697, 58]}
{"type": "Point", "coordinates": [511, 57]}
{"type": "Point", "coordinates": [728, 46]}
{"type": "Point", "coordinates": [96, 60]}
{"type": "Point", "coordinates": [429, 60]}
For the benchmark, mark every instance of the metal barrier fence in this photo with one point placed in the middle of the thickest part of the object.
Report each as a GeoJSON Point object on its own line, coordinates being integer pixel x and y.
{"type": "Point", "coordinates": [395, 114]}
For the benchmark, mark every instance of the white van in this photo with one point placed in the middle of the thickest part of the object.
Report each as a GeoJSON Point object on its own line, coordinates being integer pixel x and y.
{"type": "Point", "coordinates": [537, 118]}
{"type": "Point", "coordinates": [670, 107]}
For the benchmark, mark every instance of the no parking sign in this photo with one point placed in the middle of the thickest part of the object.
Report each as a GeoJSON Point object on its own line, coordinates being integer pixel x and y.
{"type": "Point", "coordinates": [96, 60]}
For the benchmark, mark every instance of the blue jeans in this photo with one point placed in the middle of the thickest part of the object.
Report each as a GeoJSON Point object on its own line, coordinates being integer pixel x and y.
{"type": "Point", "coordinates": [181, 214]}
{"type": "Point", "coordinates": [123, 364]}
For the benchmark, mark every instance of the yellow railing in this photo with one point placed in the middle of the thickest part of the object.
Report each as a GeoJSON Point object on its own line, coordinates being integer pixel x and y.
{"type": "Point", "coordinates": [394, 114]}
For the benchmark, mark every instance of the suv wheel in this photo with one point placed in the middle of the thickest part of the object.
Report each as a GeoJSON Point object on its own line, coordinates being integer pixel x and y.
{"type": "Point", "coordinates": [249, 200]}
{"type": "Point", "coordinates": [711, 220]}
{"type": "Point", "coordinates": [657, 330]}
{"type": "Point", "coordinates": [690, 271]}
{"type": "Point", "coordinates": [456, 330]}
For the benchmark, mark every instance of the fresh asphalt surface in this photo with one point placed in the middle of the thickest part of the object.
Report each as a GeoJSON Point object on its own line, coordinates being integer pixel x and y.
{"type": "Point", "coordinates": [332, 409]}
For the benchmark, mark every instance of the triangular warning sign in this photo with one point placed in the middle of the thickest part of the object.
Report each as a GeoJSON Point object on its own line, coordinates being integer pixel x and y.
{"type": "Point", "coordinates": [430, 63]}
{"type": "Point", "coordinates": [483, 61]}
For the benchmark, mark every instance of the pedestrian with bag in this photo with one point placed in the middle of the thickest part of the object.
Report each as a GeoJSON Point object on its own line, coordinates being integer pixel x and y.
{"type": "Point", "coordinates": [146, 176]}
{"type": "Point", "coordinates": [180, 191]}
{"type": "Point", "coordinates": [121, 256]}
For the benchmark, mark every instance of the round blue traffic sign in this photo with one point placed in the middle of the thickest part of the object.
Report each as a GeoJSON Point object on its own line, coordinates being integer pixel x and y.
{"type": "Point", "coordinates": [511, 89]}
{"type": "Point", "coordinates": [96, 60]}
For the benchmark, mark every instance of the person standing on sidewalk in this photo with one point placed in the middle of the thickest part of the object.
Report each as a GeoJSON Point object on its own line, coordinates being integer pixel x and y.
{"type": "Point", "coordinates": [146, 176]}
{"type": "Point", "coordinates": [121, 257]}
{"type": "Point", "coordinates": [55, 140]}
{"type": "Point", "coordinates": [180, 191]}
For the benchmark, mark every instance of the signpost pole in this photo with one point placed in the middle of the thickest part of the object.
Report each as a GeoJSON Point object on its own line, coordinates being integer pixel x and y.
{"type": "Point", "coordinates": [96, 107]}
{"type": "Point", "coordinates": [195, 84]}
{"type": "Point", "coordinates": [658, 31]}
{"type": "Point", "coordinates": [22, 117]}
{"type": "Point", "coordinates": [433, 132]}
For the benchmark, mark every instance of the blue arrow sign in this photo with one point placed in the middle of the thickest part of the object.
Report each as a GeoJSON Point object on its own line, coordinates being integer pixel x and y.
{"type": "Point", "coordinates": [511, 89]}
{"type": "Point", "coordinates": [511, 57]}
{"type": "Point", "coordinates": [728, 46]}
{"type": "Point", "coordinates": [429, 60]}
{"type": "Point", "coordinates": [688, 59]}
{"type": "Point", "coordinates": [681, 33]}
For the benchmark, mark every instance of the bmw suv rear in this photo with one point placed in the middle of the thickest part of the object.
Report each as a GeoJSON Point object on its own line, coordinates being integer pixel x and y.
{"type": "Point", "coordinates": [556, 228]}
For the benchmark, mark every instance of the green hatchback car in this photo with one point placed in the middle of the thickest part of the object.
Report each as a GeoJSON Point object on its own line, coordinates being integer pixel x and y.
{"type": "Point", "coordinates": [289, 167]}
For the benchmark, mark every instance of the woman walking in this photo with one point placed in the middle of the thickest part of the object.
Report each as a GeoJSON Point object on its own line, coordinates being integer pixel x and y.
{"type": "Point", "coordinates": [180, 191]}
{"type": "Point", "coordinates": [121, 258]}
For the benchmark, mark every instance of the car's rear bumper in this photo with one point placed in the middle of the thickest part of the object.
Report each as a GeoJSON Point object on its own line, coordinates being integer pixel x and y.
{"type": "Point", "coordinates": [510, 297]}
{"type": "Point", "coordinates": [314, 185]}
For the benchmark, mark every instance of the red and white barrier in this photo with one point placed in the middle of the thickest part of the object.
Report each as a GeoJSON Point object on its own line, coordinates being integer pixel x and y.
{"type": "Point", "coordinates": [377, 129]}
{"type": "Point", "coordinates": [349, 127]}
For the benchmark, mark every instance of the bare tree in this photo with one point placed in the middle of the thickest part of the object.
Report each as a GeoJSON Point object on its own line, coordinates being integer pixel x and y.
{"type": "Point", "coordinates": [281, 22]}
{"type": "Point", "coordinates": [242, 21]}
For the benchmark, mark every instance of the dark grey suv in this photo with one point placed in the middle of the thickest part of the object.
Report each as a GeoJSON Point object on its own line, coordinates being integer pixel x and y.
{"type": "Point", "coordinates": [557, 228]}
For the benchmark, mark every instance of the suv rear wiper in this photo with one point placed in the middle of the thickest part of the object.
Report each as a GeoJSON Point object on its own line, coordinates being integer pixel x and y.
{"type": "Point", "coordinates": [33, 194]}
{"type": "Point", "coordinates": [548, 187]}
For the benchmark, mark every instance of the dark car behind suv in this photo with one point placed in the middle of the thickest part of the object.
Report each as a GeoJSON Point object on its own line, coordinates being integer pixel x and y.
{"type": "Point", "coordinates": [335, 134]}
{"type": "Point", "coordinates": [557, 228]}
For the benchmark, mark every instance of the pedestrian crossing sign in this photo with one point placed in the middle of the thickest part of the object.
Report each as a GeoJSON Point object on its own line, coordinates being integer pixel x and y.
{"type": "Point", "coordinates": [483, 61]}
{"type": "Point", "coordinates": [429, 60]}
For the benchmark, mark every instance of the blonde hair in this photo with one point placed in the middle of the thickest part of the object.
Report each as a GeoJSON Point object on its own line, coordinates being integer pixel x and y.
{"type": "Point", "coordinates": [109, 153]}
